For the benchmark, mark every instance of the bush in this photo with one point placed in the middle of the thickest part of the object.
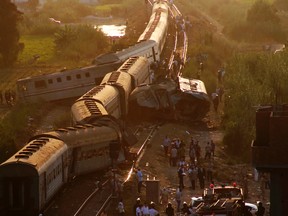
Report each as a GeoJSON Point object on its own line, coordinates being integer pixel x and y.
{"type": "Point", "coordinates": [76, 42]}
{"type": "Point", "coordinates": [15, 128]}
{"type": "Point", "coordinates": [66, 10]}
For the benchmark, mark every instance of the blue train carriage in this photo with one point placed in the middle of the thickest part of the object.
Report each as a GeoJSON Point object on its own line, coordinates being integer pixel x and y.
{"type": "Point", "coordinates": [31, 177]}
{"type": "Point", "coordinates": [62, 85]}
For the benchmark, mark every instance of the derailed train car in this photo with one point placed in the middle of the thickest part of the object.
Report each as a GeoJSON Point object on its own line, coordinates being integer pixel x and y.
{"type": "Point", "coordinates": [112, 95]}
{"type": "Point", "coordinates": [31, 177]}
{"type": "Point", "coordinates": [62, 85]}
{"type": "Point", "coordinates": [186, 99]}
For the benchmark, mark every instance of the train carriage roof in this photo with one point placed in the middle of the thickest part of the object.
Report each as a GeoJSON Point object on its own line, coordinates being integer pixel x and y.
{"type": "Point", "coordinates": [83, 135]}
{"type": "Point", "coordinates": [194, 87]}
{"type": "Point", "coordinates": [106, 58]}
{"type": "Point", "coordinates": [37, 153]}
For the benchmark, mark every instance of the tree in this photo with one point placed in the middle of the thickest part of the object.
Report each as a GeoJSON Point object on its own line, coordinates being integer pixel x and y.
{"type": "Point", "coordinates": [32, 5]}
{"type": "Point", "coordinates": [262, 12]}
{"type": "Point", "coordinates": [9, 34]}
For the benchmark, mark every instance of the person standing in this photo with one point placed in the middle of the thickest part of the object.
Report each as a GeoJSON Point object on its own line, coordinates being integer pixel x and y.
{"type": "Point", "coordinates": [178, 198]}
{"type": "Point", "coordinates": [164, 196]}
{"type": "Point", "coordinates": [169, 210]}
{"type": "Point", "coordinates": [261, 210]}
{"type": "Point", "coordinates": [173, 155]}
{"type": "Point", "coordinates": [136, 205]}
{"type": "Point", "coordinates": [145, 209]}
{"type": "Point", "coordinates": [213, 146]}
{"type": "Point", "coordinates": [201, 177]}
{"type": "Point", "coordinates": [181, 174]}
{"type": "Point", "coordinates": [138, 210]}
{"type": "Point", "coordinates": [152, 210]}
{"type": "Point", "coordinates": [208, 151]}
{"type": "Point", "coordinates": [215, 100]}
{"type": "Point", "coordinates": [166, 144]}
{"type": "Point", "coordinates": [120, 208]}
{"type": "Point", "coordinates": [192, 172]}
{"type": "Point", "coordinates": [139, 179]}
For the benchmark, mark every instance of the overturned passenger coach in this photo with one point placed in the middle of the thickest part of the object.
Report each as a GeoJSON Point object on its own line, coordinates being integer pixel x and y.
{"type": "Point", "coordinates": [186, 99]}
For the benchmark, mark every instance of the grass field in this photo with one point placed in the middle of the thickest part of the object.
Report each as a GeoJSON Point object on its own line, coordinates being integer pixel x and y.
{"type": "Point", "coordinates": [41, 45]}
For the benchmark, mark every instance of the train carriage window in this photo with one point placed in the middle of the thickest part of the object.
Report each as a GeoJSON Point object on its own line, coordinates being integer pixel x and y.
{"type": "Point", "coordinates": [40, 84]}
{"type": "Point", "coordinates": [68, 78]}
{"type": "Point", "coordinates": [78, 76]}
{"type": "Point", "coordinates": [59, 79]}
{"type": "Point", "coordinates": [87, 74]}
{"type": "Point", "coordinates": [50, 81]}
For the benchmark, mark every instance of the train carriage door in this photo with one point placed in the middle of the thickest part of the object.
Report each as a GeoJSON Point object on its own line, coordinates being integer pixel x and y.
{"type": "Point", "coordinates": [18, 195]}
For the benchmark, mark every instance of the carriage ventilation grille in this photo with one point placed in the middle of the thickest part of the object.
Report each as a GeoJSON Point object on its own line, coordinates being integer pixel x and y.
{"type": "Point", "coordinates": [31, 148]}
{"type": "Point", "coordinates": [93, 91]}
{"type": "Point", "coordinates": [129, 63]}
{"type": "Point", "coordinates": [93, 108]}
{"type": "Point", "coordinates": [114, 76]}
{"type": "Point", "coordinates": [153, 25]}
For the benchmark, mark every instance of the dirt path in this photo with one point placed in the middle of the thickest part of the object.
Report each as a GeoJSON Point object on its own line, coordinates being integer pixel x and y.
{"type": "Point", "coordinates": [156, 165]}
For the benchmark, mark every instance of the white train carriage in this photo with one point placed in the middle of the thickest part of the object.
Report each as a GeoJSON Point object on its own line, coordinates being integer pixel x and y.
{"type": "Point", "coordinates": [100, 100]}
{"type": "Point", "coordinates": [31, 177]}
{"type": "Point", "coordinates": [157, 27]}
{"type": "Point", "coordinates": [90, 146]}
{"type": "Point", "coordinates": [123, 82]}
{"type": "Point", "coordinates": [139, 69]}
{"type": "Point", "coordinates": [62, 85]}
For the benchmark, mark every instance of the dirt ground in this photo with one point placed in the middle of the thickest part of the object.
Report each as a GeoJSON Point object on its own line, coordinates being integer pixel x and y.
{"type": "Point", "coordinates": [155, 165]}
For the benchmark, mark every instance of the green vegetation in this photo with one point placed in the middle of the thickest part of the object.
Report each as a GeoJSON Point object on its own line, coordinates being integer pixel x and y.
{"type": "Point", "coordinates": [78, 42]}
{"type": "Point", "coordinates": [15, 128]}
{"type": "Point", "coordinates": [251, 80]}
{"type": "Point", "coordinates": [9, 34]}
{"type": "Point", "coordinates": [42, 45]}
{"type": "Point", "coordinates": [251, 20]}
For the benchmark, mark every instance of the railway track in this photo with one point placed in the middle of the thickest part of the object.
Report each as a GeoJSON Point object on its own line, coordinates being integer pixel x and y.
{"type": "Point", "coordinates": [98, 191]}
